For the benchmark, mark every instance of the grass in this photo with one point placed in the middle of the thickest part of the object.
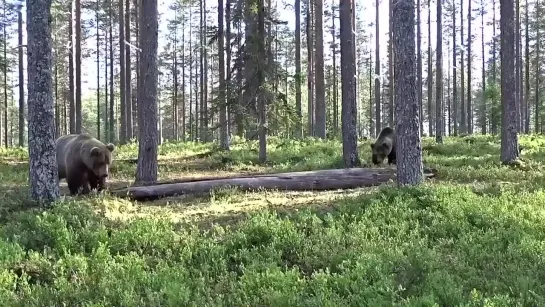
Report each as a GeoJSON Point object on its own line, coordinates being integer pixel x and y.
{"type": "Point", "coordinates": [474, 237]}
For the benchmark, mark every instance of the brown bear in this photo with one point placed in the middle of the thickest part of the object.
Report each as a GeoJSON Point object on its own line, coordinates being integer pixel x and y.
{"type": "Point", "coordinates": [84, 161]}
{"type": "Point", "coordinates": [384, 147]}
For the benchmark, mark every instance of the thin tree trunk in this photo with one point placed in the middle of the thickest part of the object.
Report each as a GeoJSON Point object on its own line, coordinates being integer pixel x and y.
{"type": "Point", "coordinates": [335, 84]}
{"type": "Point", "coordinates": [463, 112]}
{"type": "Point", "coordinates": [454, 71]}
{"type": "Point", "coordinates": [262, 101]}
{"type": "Point", "coordinates": [377, 70]}
{"type": "Point", "coordinates": [527, 72]}
{"type": "Point", "coordinates": [439, 113]}
{"type": "Point", "coordinates": [430, 75]}
{"type": "Point", "coordinates": [419, 92]}
{"type": "Point", "coordinates": [128, 83]}
{"type": "Point", "coordinates": [98, 71]}
{"type": "Point", "coordinates": [320, 117]}
{"type": "Point", "coordinates": [310, 75]}
{"type": "Point", "coordinates": [112, 94]}
{"type": "Point", "coordinates": [391, 72]}
{"type": "Point", "coordinates": [79, 118]}
{"type": "Point", "coordinates": [483, 111]}
{"type": "Point", "coordinates": [122, 75]}
{"type": "Point", "coordinates": [224, 137]}
{"type": "Point", "coordinates": [137, 65]}
{"type": "Point", "coordinates": [469, 69]}
{"type": "Point", "coordinates": [21, 78]}
{"type": "Point", "coordinates": [298, 76]}
{"type": "Point", "coordinates": [71, 70]}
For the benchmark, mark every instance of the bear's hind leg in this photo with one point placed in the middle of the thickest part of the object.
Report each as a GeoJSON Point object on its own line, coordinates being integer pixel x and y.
{"type": "Point", "coordinates": [392, 156]}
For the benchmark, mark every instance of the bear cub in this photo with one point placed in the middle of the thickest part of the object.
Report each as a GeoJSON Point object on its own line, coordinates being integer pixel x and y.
{"type": "Point", "coordinates": [84, 161]}
{"type": "Point", "coordinates": [384, 147]}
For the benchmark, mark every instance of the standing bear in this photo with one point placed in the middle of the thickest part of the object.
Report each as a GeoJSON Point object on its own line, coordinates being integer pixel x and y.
{"type": "Point", "coordinates": [384, 147]}
{"type": "Point", "coordinates": [84, 161]}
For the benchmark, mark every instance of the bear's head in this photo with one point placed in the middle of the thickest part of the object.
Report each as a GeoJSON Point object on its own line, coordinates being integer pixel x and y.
{"type": "Point", "coordinates": [379, 152]}
{"type": "Point", "coordinates": [100, 159]}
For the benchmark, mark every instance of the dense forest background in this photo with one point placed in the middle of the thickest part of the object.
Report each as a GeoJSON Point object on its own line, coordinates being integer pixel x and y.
{"type": "Point", "coordinates": [95, 76]}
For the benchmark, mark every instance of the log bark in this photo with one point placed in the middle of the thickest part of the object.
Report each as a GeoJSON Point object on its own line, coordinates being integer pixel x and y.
{"type": "Point", "coordinates": [297, 181]}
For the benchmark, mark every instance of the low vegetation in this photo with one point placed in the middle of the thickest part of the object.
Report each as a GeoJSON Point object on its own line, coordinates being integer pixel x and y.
{"type": "Point", "coordinates": [474, 236]}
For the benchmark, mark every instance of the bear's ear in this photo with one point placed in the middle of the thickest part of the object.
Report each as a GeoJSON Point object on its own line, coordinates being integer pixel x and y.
{"type": "Point", "coordinates": [95, 151]}
{"type": "Point", "coordinates": [111, 147]}
{"type": "Point", "coordinates": [385, 145]}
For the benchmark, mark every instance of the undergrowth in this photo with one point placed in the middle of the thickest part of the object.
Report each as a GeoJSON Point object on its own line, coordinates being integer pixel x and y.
{"type": "Point", "coordinates": [474, 237]}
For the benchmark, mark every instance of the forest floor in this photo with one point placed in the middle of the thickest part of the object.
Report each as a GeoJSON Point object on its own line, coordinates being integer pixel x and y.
{"type": "Point", "coordinates": [475, 236]}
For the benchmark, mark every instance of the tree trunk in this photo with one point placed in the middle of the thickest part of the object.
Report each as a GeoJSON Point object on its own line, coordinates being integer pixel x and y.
{"type": "Point", "coordinates": [320, 180]}
{"type": "Point", "coordinates": [391, 72]}
{"type": "Point", "coordinates": [335, 84]}
{"type": "Point", "coordinates": [377, 71]}
{"type": "Point", "coordinates": [224, 137]}
{"type": "Point", "coordinates": [419, 92]}
{"type": "Point", "coordinates": [261, 82]}
{"type": "Point", "coordinates": [146, 169]}
{"type": "Point", "coordinates": [439, 113]}
{"type": "Point", "coordinates": [463, 113]}
{"type": "Point", "coordinates": [98, 70]}
{"type": "Point", "coordinates": [430, 76]}
{"type": "Point", "coordinates": [320, 125]}
{"type": "Point", "coordinates": [408, 143]}
{"type": "Point", "coordinates": [527, 71]}
{"type": "Point", "coordinates": [310, 75]}
{"type": "Point", "coordinates": [469, 69]}
{"type": "Point", "coordinates": [71, 70]}
{"type": "Point", "coordinates": [348, 71]}
{"type": "Point", "coordinates": [128, 83]}
{"type": "Point", "coordinates": [298, 77]}
{"type": "Point", "coordinates": [79, 117]}
{"type": "Point", "coordinates": [21, 79]}
{"type": "Point", "coordinates": [112, 94]}
{"type": "Point", "coordinates": [454, 71]}
{"type": "Point", "coordinates": [134, 101]}
{"type": "Point", "coordinates": [122, 75]}
{"type": "Point", "coordinates": [509, 137]}
{"type": "Point", "coordinates": [483, 104]}
{"type": "Point", "coordinates": [43, 173]}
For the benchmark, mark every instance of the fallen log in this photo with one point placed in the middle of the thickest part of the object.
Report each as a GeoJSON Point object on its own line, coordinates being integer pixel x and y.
{"type": "Point", "coordinates": [297, 181]}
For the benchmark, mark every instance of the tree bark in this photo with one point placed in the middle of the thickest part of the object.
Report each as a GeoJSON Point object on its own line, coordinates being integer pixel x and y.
{"type": "Point", "coordinates": [509, 136]}
{"type": "Point", "coordinates": [43, 173]}
{"type": "Point", "coordinates": [146, 169]}
{"type": "Point", "coordinates": [298, 76]}
{"type": "Point", "coordinates": [454, 73]}
{"type": "Point", "coordinates": [348, 71]}
{"type": "Point", "coordinates": [469, 70]}
{"type": "Point", "coordinates": [79, 117]}
{"type": "Point", "coordinates": [297, 181]}
{"type": "Point", "coordinates": [377, 70]}
{"type": "Point", "coordinates": [71, 70]}
{"type": "Point", "coordinates": [21, 79]}
{"type": "Point", "coordinates": [408, 143]}
{"type": "Point", "coordinates": [320, 110]}
{"type": "Point", "coordinates": [439, 113]}
{"type": "Point", "coordinates": [122, 75]}
{"type": "Point", "coordinates": [224, 137]}
{"type": "Point", "coordinates": [128, 83]}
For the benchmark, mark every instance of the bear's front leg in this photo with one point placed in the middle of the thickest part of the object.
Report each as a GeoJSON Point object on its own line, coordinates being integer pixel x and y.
{"type": "Point", "coordinates": [75, 182]}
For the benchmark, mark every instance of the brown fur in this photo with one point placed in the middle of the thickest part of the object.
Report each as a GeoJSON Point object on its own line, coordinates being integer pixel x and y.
{"type": "Point", "coordinates": [84, 161]}
{"type": "Point", "coordinates": [384, 147]}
